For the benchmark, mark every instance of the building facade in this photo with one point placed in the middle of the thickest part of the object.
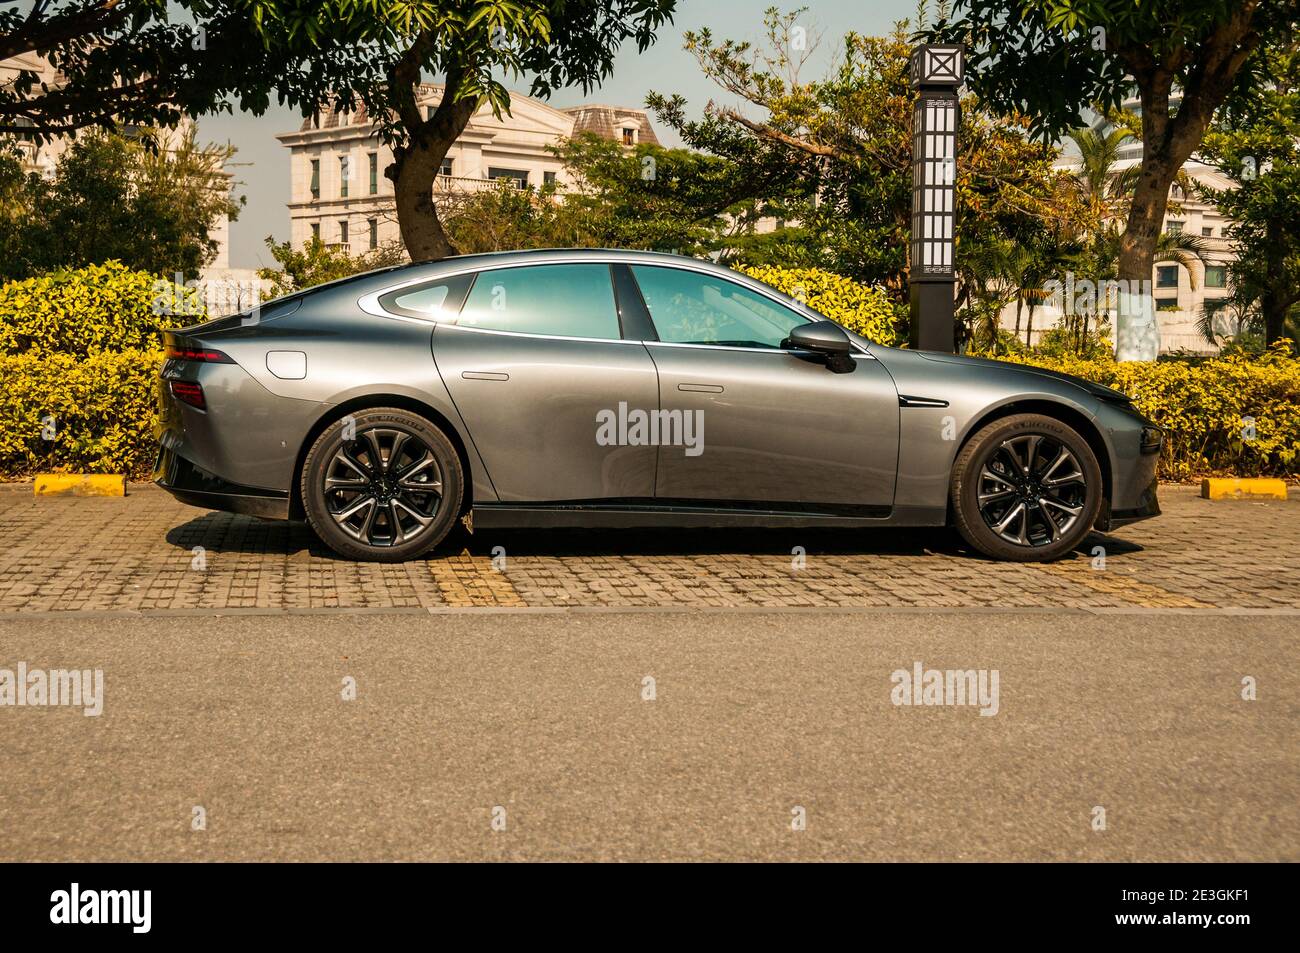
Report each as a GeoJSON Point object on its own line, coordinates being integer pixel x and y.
{"type": "Point", "coordinates": [338, 190]}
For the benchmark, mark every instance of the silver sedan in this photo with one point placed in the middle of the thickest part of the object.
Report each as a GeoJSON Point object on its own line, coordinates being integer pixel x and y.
{"type": "Point", "coordinates": [625, 389]}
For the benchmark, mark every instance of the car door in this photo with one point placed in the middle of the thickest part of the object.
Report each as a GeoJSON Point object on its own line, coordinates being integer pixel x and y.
{"type": "Point", "coordinates": [534, 361]}
{"type": "Point", "coordinates": [772, 426]}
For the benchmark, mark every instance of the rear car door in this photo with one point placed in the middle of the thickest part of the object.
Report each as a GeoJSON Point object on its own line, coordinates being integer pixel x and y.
{"type": "Point", "coordinates": [775, 426]}
{"type": "Point", "coordinates": [534, 360]}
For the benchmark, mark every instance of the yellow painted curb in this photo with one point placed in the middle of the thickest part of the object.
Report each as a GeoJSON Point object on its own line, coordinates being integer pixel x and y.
{"type": "Point", "coordinates": [1243, 488]}
{"type": "Point", "coordinates": [81, 484]}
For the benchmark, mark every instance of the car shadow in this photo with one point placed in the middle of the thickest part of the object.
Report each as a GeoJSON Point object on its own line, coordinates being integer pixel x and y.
{"type": "Point", "coordinates": [230, 533]}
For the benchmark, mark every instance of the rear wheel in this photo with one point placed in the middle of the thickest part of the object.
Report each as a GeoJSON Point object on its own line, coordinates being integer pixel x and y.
{"type": "Point", "coordinates": [382, 485]}
{"type": "Point", "coordinates": [1026, 488]}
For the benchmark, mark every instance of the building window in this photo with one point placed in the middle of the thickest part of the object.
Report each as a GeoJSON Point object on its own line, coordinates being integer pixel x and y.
{"type": "Point", "coordinates": [1174, 228]}
{"type": "Point", "coordinates": [446, 167]}
{"type": "Point", "coordinates": [315, 178]}
{"type": "Point", "coordinates": [629, 136]}
{"type": "Point", "coordinates": [1166, 304]}
{"type": "Point", "coordinates": [373, 159]}
{"type": "Point", "coordinates": [1216, 276]}
{"type": "Point", "coordinates": [1207, 232]}
{"type": "Point", "coordinates": [343, 232]}
{"type": "Point", "coordinates": [373, 225]}
{"type": "Point", "coordinates": [1167, 276]}
{"type": "Point", "coordinates": [343, 177]}
{"type": "Point", "coordinates": [548, 178]}
{"type": "Point", "coordinates": [518, 176]}
{"type": "Point", "coordinates": [315, 230]}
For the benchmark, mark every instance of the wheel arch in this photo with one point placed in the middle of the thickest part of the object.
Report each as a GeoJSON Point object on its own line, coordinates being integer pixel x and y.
{"type": "Point", "coordinates": [1066, 414]}
{"type": "Point", "coordinates": [338, 411]}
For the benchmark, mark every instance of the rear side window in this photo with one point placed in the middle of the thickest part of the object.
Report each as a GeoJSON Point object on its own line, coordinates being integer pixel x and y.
{"type": "Point", "coordinates": [690, 307]}
{"type": "Point", "coordinates": [437, 300]}
{"type": "Point", "coordinates": [560, 300]}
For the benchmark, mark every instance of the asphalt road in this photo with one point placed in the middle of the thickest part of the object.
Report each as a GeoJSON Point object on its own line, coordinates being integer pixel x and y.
{"type": "Point", "coordinates": [755, 714]}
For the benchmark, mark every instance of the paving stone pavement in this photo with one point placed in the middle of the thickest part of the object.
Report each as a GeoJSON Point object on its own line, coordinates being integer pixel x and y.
{"type": "Point", "coordinates": [147, 552]}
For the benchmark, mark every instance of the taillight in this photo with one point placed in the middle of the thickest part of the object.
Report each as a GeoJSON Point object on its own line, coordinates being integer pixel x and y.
{"type": "Point", "coordinates": [207, 355]}
{"type": "Point", "coordinates": [189, 393]}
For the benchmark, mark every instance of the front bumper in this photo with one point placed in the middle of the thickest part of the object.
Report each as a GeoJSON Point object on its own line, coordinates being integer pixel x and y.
{"type": "Point", "coordinates": [191, 484]}
{"type": "Point", "coordinates": [1148, 505]}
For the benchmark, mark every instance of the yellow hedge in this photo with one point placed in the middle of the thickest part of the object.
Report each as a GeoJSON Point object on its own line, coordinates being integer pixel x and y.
{"type": "Point", "coordinates": [858, 307]}
{"type": "Point", "coordinates": [1205, 406]}
{"type": "Point", "coordinates": [99, 410]}
{"type": "Point", "coordinates": [105, 307]}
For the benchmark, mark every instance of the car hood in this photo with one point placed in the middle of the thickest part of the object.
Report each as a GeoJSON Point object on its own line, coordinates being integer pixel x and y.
{"type": "Point", "coordinates": [1100, 391]}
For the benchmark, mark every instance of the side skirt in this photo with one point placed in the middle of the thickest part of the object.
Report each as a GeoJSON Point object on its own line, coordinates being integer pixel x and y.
{"type": "Point", "coordinates": [633, 514]}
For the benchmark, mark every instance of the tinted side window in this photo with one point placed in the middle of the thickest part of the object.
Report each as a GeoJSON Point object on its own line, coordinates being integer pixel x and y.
{"type": "Point", "coordinates": [434, 300]}
{"type": "Point", "coordinates": [564, 300]}
{"type": "Point", "coordinates": [690, 307]}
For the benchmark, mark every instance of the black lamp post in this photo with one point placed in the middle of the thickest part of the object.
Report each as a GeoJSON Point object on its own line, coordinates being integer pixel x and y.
{"type": "Point", "coordinates": [936, 72]}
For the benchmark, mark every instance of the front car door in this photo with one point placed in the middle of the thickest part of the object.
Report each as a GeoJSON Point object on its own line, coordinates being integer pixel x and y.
{"type": "Point", "coordinates": [533, 361]}
{"type": "Point", "coordinates": [772, 426]}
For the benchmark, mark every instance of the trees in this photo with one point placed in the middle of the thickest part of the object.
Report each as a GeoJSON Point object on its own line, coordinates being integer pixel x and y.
{"type": "Point", "coordinates": [149, 201]}
{"type": "Point", "coordinates": [1255, 142]}
{"type": "Point", "coordinates": [316, 263]}
{"type": "Point", "coordinates": [1051, 60]}
{"type": "Point", "coordinates": [837, 151]}
{"type": "Point", "coordinates": [127, 62]}
{"type": "Point", "coordinates": [378, 53]}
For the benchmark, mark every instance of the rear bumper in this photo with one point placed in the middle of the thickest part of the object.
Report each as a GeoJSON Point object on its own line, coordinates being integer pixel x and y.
{"type": "Point", "coordinates": [192, 484]}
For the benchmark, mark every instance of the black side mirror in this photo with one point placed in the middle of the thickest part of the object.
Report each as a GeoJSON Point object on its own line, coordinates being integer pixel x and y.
{"type": "Point", "coordinates": [826, 339]}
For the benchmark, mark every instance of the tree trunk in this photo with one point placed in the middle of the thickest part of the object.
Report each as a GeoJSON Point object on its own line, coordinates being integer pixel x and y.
{"type": "Point", "coordinates": [413, 172]}
{"type": "Point", "coordinates": [1029, 327]}
{"type": "Point", "coordinates": [1020, 303]}
{"type": "Point", "coordinates": [1137, 335]}
{"type": "Point", "coordinates": [417, 161]}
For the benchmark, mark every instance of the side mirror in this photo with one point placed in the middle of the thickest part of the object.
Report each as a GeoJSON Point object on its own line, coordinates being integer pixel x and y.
{"type": "Point", "coordinates": [827, 340]}
{"type": "Point", "coordinates": [824, 337]}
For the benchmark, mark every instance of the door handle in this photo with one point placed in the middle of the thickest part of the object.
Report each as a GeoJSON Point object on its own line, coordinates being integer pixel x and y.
{"type": "Point", "coordinates": [484, 376]}
{"type": "Point", "coordinates": [701, 388]}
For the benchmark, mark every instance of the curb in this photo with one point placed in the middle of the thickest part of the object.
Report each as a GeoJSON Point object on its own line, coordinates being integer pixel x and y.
{"type": "Point", "coordinates": [80, 484]}
{"type": "Point", "coordinates": [1243, 488]}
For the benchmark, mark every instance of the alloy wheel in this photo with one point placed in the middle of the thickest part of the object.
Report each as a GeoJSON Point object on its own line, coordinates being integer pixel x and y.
{"type": "Point", "coordinates": [384, 487]}
{"type": "Point", "coordinates": [1032, 490]}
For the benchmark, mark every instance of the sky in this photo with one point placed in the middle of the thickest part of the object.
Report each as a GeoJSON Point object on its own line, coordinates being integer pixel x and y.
{"type": "Point", "coordinates": [261, 166]}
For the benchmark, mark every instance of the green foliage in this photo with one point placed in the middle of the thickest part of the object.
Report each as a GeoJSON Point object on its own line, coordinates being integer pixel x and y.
{"type": "Point", "coordinates": [145, 200]}
{"type": "Point", "coordinates": [861, 308]}
{"type": "Point", "coordinates": [1053, 59]}
{"type": "Point", "coordinates": [140, 63]}
{"type": "Point", "coordinates": [1255, 142]}
{"type": "Point", "coordinates": [99, 409]}
{"type": "Point", "coordinates": [89, 310]}
{"type": "Point", "coordinates": [834, 153]}
{"type": "Point", "coordinates": [1204, 404]}
{"type": "Point", "coordinates": [316, 263]}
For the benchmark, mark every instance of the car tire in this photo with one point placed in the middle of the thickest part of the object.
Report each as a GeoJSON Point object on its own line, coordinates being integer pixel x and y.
{"type": "Point", "coordinates": [1026, 488]}
{"type": "Point", "coordinates": [382, 485]}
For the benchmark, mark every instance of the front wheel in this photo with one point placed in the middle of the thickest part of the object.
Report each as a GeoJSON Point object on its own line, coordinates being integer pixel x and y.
{"type": "Point", "coordinates": [382, 485]}
{"type": "Point", "coordinates": [1026, 488]}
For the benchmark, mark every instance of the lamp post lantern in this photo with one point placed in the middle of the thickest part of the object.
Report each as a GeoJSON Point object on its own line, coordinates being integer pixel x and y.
{"type": "Point", "coordinates": [936, 73]}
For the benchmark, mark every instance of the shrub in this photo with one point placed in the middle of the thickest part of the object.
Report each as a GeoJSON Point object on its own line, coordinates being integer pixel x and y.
{"type": "Point", "coordinates": [1208, 407]}
{"type": "Point", "coordinates": [861, 308]}
{"type": "Point", "coordinates": [93, 309]}
{"type": "Point", "coordinates": [99, 410]}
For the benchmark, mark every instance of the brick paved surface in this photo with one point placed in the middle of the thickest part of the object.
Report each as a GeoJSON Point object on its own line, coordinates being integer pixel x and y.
{"type": "Point", "coordinates": [148, 552]}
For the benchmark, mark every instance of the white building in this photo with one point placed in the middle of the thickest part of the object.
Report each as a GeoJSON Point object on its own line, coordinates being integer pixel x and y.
{"type": "Point", "coordinates": [338, 190]}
